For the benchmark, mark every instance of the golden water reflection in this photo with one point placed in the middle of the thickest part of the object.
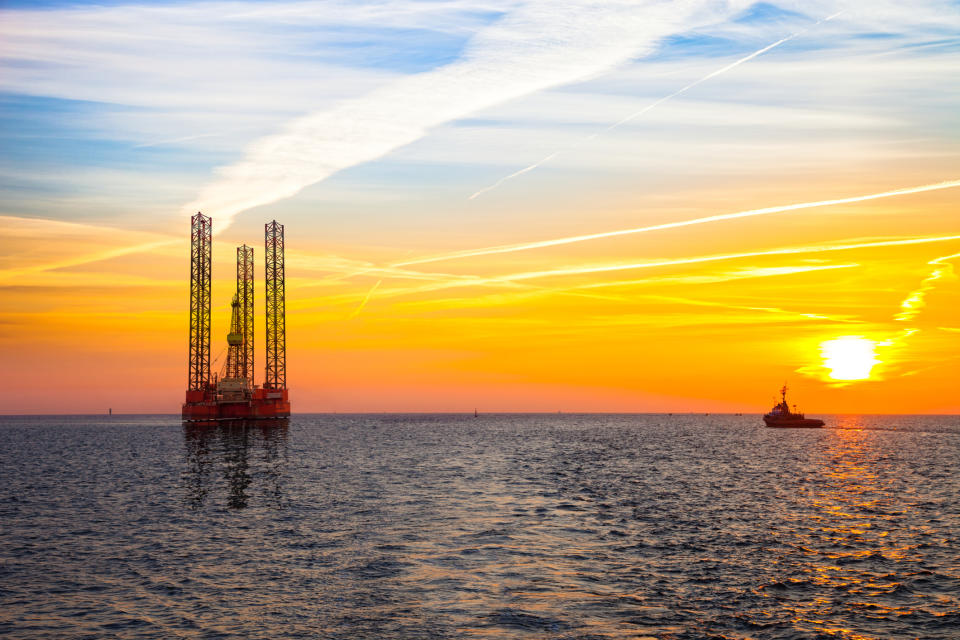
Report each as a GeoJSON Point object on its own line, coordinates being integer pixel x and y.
{"type": "Point", "coordinates": [842, 543]}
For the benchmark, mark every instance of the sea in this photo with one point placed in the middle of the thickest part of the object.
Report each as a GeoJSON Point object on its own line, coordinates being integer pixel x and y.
{"type": "Point", "coordinates": [527, 526]}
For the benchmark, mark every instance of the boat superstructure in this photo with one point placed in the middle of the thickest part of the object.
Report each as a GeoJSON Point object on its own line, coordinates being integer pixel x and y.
{"type": "Point", "coordinates": [780, 415]}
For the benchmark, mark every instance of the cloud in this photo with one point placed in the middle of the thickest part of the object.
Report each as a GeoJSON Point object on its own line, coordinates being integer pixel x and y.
{"type": "Point", "coordinates": [522, 280]}
{"type": "Point", "coordinates": [916, 300]}
{"type": "Point", "coordinates": [32, 246]}
{"type": "Point", "coordinates": [215, 76]}
{"type": "Point", "coordinates": [652, 105]}
{"type": "Point", "coordinates": [587, 290]}
{"type": "Point", "coordinates": [538, 45]}
{"type": "Point", "coordinates": [724, 276]}
{"type": "Point", "coordinates": [605, 268]}
{"type": "Point", "coordinates": [682, 223]}
{"type": "Point", "coordinates": [590, 269]}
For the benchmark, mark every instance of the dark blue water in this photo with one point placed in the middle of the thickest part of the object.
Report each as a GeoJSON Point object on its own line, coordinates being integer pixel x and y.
{"type": "Point", "coordinates": [502, 526]}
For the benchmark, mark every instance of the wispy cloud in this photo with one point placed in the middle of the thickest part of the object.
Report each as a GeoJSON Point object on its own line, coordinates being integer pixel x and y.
{"type": "Point", "coordinates": [522, 279]}
{"type": "Point", "coordinates": [723, 276]}
{"type": "Point", "coordinates": [916, 299]}
{"type": "Point", "coordinates": [649, 107]}
{"type": "Point", "coordinates": [538, 45]}
{"type": "Point", "coordinates": [215, 76]}
{"type": "Point", "coordinates": [158, 143]}
{"type": "Point", "coordinates": [231, 54]}
{"type": "Point", "coordinates": [606, 268]}
{"type": "Point", "coordinates": [65, 244]}
{"type": "Point", "coordinates": [632, 295]}
{"type": "Point", "coordinates": [683, 223]}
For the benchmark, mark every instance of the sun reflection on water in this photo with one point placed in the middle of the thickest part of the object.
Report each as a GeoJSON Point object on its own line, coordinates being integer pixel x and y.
{"type": "Point", "coordinates": [842, 542]}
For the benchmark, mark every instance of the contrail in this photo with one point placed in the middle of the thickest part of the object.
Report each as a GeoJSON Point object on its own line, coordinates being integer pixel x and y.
{"type": "Point", "coordinates": [517, 278]}
{"type": "Point", "coordinates": [525, 170]}
{"type": "Point", "coordinates": [724, 256]}
{"type": "Point", "coordinates": [653, 105]}
{"type": "Point", "coordinates": [176, 140]}
{"type": "Point", "coordinates": [366, 299]}
{"type": "Point", "coordinates": [88, 258]}
{"type": "Point", "coordinates": [534, 45]}
{"type": "Point", "coordinates": [18, 227]}
{"type": "Point", "coordinates": [683, 223]}
{"type": "Point", "coordinates": [737, 307]}
{"type": "Point", "coordinates": [720, 277]}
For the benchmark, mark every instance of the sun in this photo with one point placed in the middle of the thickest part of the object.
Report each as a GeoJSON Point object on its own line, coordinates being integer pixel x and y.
{"type": "Point", "coordinates": [849, 357]}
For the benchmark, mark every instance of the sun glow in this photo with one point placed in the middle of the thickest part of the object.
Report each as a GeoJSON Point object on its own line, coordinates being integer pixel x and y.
{"type": "Point", "coordinates": [849, 357]}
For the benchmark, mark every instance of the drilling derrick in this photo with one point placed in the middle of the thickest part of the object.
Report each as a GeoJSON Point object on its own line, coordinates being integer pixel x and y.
{"type": "Point", "coordinates": [276, 370]}
{"type": "Point", "coordinates": [201, 238]}
{"type": "Point", "coordinates": [245, 298]}
{"type": "Point", "coordinates": [231, 367]}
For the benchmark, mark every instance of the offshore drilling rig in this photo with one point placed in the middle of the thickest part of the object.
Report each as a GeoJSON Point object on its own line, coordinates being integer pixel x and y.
{"type": "Point", "coordinates": [233, 394]}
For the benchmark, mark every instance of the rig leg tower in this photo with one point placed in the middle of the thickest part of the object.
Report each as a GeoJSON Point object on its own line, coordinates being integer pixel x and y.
{"type": "Point", "coordinates": [276, 373]}
{"type": "Point", "coordinates": [200, 404]}
{"type": "Point", "coordinates": [275, 382]}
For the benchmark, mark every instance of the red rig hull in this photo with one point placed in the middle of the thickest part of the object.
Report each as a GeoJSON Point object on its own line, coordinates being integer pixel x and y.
{"type": "Point", "coordinates": [262, 404]}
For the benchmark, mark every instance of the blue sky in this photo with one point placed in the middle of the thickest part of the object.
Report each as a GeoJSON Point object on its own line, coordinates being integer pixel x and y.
{"type": "Point", "coordinates": [157, 96]}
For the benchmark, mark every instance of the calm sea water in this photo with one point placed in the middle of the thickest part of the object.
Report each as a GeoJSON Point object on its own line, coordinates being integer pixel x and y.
{"type": "Point", "coordinates": [501, 526]}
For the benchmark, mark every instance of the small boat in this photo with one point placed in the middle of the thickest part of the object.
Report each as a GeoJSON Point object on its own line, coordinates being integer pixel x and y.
{"type": "Point", "coordinates": [781, 417]}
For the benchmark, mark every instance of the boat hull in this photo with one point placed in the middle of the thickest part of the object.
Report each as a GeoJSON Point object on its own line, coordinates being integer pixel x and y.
{"type": "Point", "coordinates": [804, 423]}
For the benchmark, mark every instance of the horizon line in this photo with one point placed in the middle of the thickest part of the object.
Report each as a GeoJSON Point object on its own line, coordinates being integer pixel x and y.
{"type": "Point", "coordinates": [465, 413]}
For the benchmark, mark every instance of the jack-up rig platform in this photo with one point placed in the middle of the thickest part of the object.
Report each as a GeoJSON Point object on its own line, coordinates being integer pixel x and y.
{"type": "Point", "coordinates": [233, 395]}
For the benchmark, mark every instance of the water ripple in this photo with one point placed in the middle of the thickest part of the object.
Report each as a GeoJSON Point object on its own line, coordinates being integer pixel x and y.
{"type": "Point", "coordinates": [504, 526]}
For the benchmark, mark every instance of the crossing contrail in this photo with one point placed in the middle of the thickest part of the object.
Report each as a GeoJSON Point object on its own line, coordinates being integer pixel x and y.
{"type": "Point", "coordinates": [530, 275]}
{"type": "Point", "coordinates": [653, 105]}
{"type": "Point", "coordinates": [366, 299]}
{"type": "Point", "coordinates": [509, 248]}
{"type": "Point", "coordinates": [517, 279]}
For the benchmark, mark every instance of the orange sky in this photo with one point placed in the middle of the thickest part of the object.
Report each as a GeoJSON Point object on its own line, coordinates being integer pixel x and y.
{"type": "Point", "coordinates": [90, 326]}
{"type": "Point", "coordinates": [406, 294]}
